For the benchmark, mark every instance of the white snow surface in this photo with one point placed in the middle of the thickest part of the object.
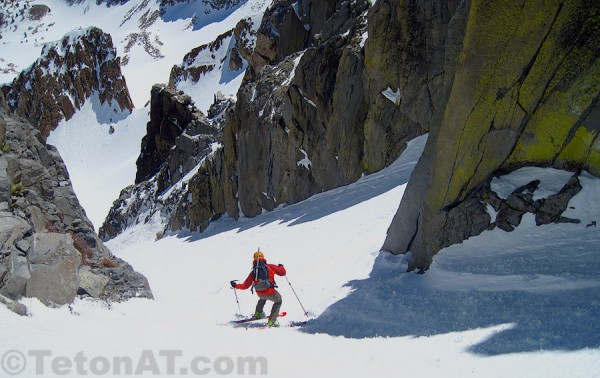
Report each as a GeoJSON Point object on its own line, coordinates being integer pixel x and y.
{"type": "Point", "coordinates": [520, 304]}
{"type": "Point", "coordinates": [100, 164]}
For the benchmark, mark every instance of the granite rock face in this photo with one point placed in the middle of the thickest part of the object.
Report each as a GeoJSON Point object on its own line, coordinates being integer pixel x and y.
{"type": "Point", "coordinates": [46, 240]}
{"type": "Point", "coordinates": [506, 110]}
{"type": "Point", "coordinates": [84, 64]}
{"type": "Point", "coordinates": [179, 139]}
{"type": "Point", "coordinates": [313, 112]}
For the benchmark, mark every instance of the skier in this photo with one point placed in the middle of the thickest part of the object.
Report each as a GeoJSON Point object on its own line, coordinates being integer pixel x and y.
{"type": "Point", "coordinates": [262, 279]}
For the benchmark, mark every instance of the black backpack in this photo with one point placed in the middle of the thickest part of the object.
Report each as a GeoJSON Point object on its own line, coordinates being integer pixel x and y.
{"type": "Point", "coordinates": [260, 272]}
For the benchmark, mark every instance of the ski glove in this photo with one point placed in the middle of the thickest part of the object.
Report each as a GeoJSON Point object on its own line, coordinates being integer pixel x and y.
{"type": "Point", "coordinates": [232, 284]}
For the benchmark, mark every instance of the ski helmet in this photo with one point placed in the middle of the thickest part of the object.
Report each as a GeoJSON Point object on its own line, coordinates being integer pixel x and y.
{"type": "Point", "coordinates": [258, 256]}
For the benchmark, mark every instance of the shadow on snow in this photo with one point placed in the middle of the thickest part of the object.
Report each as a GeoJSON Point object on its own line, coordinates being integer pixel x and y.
{"type": "Point", "coordinates": [552, 301]}
{"type": "Point", "coordinates": [200, 13]}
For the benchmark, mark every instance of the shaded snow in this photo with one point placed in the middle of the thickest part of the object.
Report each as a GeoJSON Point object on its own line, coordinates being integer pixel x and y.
{"type": "Point", "coordinates": [541, 281]}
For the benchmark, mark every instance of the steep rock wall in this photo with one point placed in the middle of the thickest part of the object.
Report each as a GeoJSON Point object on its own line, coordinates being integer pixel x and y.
{"type": "Point", "coordinates": [525, 92]}
{"type": "Point", "coordinates": [179, 137]}
{"type": "Point", "coordinates": [318, 106]}
{"type": "Point", "coordinates": [68, 73]}
{"type": "Point", "coordinates": [48, 247]}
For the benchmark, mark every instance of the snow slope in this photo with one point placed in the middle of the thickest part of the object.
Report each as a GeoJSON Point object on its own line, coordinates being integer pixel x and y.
{"type": "Point", "coordinates": [497, 305]}
{"type": "Point", "coordinates": [100, 164]}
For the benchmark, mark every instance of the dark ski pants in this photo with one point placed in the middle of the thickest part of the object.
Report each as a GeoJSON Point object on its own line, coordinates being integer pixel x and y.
{"type": "Point", "coordinates": [275, 298]}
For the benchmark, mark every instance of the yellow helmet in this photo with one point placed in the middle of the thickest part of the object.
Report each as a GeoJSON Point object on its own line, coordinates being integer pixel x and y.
{"type": "Point", "coordinates": [258, 256]}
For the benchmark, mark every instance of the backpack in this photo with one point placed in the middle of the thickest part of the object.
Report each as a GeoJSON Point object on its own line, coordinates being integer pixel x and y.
{"type": "Point", "coordinates": [260, 271]}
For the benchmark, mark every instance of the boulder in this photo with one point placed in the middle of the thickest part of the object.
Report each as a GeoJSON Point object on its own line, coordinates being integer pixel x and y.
{"type": "Point", "coordinates": [54, 265]}
{"type": "Point", "coordinates": [17, 277]}
{"type": "Point", "coordinates": [14, 306]}
{"type": "Point", "coordinates": [512, 210]}
{"type": "Point", "coordinates": [92, 284]}
{"type": "Point", "coordinates": [552, 207]}
{"type": "Point", "coordinates": [37, 218]}
{"type": "Point", "coordinates": [468, 219]}
{"type": "Point", "coordinates": [12, 229]}
{"type": "Point", "coordinates": [4, 179]}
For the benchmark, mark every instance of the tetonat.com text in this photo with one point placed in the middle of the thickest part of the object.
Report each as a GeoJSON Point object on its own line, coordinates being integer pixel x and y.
{"type": "Point", "coordinates": [146, 363]}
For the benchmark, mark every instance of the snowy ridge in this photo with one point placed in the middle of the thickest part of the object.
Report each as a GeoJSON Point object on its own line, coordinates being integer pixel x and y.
{"type": "Point", "coordinates": [149, 36]}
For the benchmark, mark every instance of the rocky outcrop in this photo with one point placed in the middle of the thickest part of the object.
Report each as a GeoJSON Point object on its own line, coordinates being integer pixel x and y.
{"type": "Point", "coordinates": [109, 3]}
{"type": "Point", "coordinates": [304, 120]}
{"type": "Point", "coordinates": [46, 240]}
{"type": "Point", "coordinates": [202, 60]}
{"type": "Point", "coordinates": [321, 117]}
{"type": "Point", "coordinates": [83, 64]}
{"type": "Point", "coordinates": [174, 121]}
{"type": "Point", "coordinates": [38, 11]}
{"type": "Point", "coordinates": [505, 111]}
{"type": "Point", "coordinates": [179, 138]}
{"type": "Point", "coordinates": [214, 4]}
{"type": "Point", "coordinates": [228, 52]}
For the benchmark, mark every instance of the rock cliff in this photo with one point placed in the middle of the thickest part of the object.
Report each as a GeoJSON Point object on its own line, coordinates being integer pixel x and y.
{"type": "Point", "coordinates": [525, 93]}
{"type": "Point", "coordinates": [313, 113]}
{"type": "Point", "coordinates": [179, 139]}
{"type": "Point", "coordinates": [334, 89]}
{"type": "Point", "coordinates": [83, 64]}
{"type": "Point", "coordinates": [48, 247]}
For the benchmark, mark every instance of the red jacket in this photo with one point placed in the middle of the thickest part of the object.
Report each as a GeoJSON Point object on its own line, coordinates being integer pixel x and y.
{"type": "Point", "coordinates": [273, 270]}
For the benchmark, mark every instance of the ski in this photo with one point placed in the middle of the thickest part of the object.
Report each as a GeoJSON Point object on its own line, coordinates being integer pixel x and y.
{"type": "Point", "coordinates": [251, 319]}
{"type": "Point", "coordinates": [300, 323]}
{"type": "Point", "coordinates": [294, 323]}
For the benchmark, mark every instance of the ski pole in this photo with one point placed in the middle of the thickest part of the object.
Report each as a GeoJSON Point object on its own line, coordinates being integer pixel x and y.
{"type": "Point", "coordinates": [237, 300]}
{"type": "Point", "coordinates": [305, 313]}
